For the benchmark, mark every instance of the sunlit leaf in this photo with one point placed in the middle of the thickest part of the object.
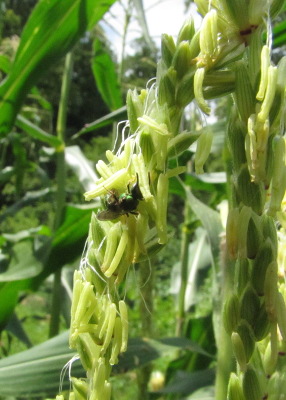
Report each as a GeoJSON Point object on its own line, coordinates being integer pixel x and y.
{"type": "Point", "coordinates": [210, 220]}
{"type": "Point", "coordinates": [5, 64]}
{"type": "Point", "coordinates": [51, 31]}
{"type": "Point", "coordinates": [103, 68]}
{"type": "Point", "coordinates": [24, 263]}
{"type": "Point", "coordinates": [81, 166]}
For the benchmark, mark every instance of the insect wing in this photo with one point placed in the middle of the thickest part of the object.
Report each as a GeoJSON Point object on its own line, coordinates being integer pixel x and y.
{"type": "Point", "coordinates": [108, 215]}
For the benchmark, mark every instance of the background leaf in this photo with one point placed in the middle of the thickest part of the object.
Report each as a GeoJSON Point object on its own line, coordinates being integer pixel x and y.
{"type": "Point", "coordinates": [108, 119]}
{"type": "Point", "coordinates": [81, 166]}
{"type": "Point", "coordinates": [105, 76]}
{"type": "Point", "coordinates": [35, 372]}
{"type": "Point", "coordinates": [51, 31]}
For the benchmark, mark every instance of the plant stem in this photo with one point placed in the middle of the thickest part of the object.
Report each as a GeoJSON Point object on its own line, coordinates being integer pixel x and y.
{"type": "Point", "coordinates": [60, 179]}
{"type": "Point", "coordinates": [186, 236]}
{"type": "Point", "coordinates": [146, 282]}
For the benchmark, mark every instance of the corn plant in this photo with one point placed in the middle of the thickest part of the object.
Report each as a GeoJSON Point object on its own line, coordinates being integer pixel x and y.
{"type": "Point", "coordinates": [231, 53]}
{"type": "Point", "coordinates": [226, 55]}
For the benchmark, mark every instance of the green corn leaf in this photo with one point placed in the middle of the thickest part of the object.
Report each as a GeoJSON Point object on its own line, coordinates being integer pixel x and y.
{"type": "Point", "coordinates": [103, 121]}
{"type": "Point", "coordinates": [24, 263]}
{"type": "Point", "coordinates": [36, 372]}
{"type": "Point", "coordinates": [66, 246]}
{"type": "Point", "coordinates": [5, 64]}
{"type": "Point", "coordinates": [36, 132]}
{"type": "Point", "coordinates": [105, 76]}
{"type": "Point", "coordinates": [51, 31]}
{"type": "Point", "coordinates": [210, 220]}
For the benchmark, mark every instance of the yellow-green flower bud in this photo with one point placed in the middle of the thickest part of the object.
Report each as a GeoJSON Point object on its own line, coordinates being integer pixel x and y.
{"type": "Point", "coordinates": [244, 94]}
{"type": "Point", "coordinates": [124, 322]}
{"type": "Point", "coordinates": [269, 231]}
{"type": "Point", "coordinates": [230, 53]}
{"type": "Point", "coordinates": [242, 274]}
{"type": "Point", "coordinates": [116, 181]}
{"type": "Point", "coordinates": [187, 31]}
{"type": "Point", "coordinates": [202, 6]}
{"type": "Point", "coordinates": [234, 391]}
{"type": "Point", "coordinates": [185, 88]}
{"type": "Point", "coordinates": [166, 90]}
{"type": "Point", "coordinates": [251, 385]}
{"type": "Point", "coordinates": [168, 49]}
{"type": "Point", "coordinates": [97, 233]}
{"type": "Point", "coordinates": [198, 90]}
{"type": "Point", "coordinates": [86, 301]}
{"type": "Point", "coordinates": [219, 78]}
{"type": "Point", "coordinates": [252, 194]}
{"type": "Point", "coordinates": [118, 254]}
{"type": "Point", "coordinates": [244, 217]}
{"type": "Point", "coordinates": [235, 136]}
{"type": "Point", "coordinates": [180, 143]}
{"type": "Point", "coordinates": [134, 109]}
{"type": "Point", "coordinates": [271, 353]}
{"type": "Point", "coordinates": [269, 95]}
{"type": "Point", "coordinates": [249, 305]}
{"type": "Point", "coordinates": [141, 170]}
{"type": "Point", "coordinates": [238, 10]}
{"type": "Point", "coordinates": [203, 150]}
{"type": "Point", "coordinates": [147, 146]}
{"type": "Point", "coordinates": [239, 351]}
{"type": "Point", "coordinates": [80, 388]}
{"type": "Point", "coordinates": [271, 291]}
{"type": "Point", "coordinates": [107, 335]}
{"type": "Point", "coordinates": [182, 59]}
{"type": "Point", "coordinates": [112, 239]}
{"type": "Point", "coordinates": [265, 63]}
{"type": "Point", "coordinates": [231, 314]}
{"type": "Point", "coordinates": [107, 391]}
{"type": "Point", "coordinates": [195, 45]}
{"type": "Point", "coordinates": [262, 324]}
{"type": "Point", "coordinates": [260, 264]}
{"type": "Point", "coordinates": [116, 342]}
{"type": "Point", "coordinates": [247, 336]}
{"type": "Point", "coordinates": [87, 349]}
{"type": "Point", "coordinates": [99, 380]}
{"type": "Point", "coordinates": [254, 237]}
{"type": "Point", "coordinates": [209, 39]}
{"type": "Point", "coordinates": [232, 232]}
{"type": "Point", "coordinates": [257, 11]}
